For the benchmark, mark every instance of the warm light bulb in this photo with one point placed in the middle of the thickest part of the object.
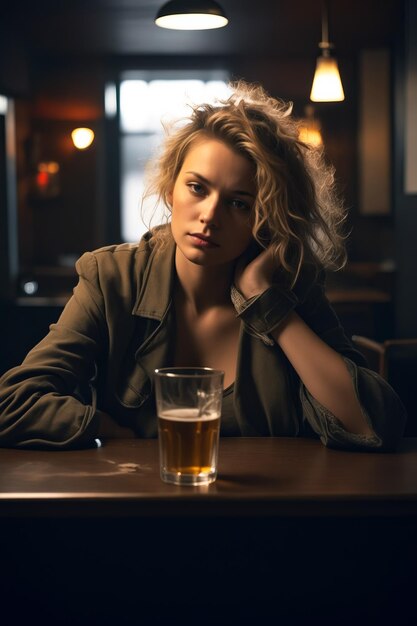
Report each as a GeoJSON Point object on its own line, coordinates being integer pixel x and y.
{"type": "Point", "coordinates": [50, 167]}
{"type": "Point", "coordinates": [82, 138]}
{"type": "Point", "coordinates": [47, 179]}
{"type": "Point", "coordinates": [311, 135]}
{"type": "Point", "coordinates": [327, 86]}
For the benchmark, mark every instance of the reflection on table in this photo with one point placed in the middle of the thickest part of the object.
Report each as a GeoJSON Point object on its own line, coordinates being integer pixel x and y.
{"type": "Point", "coordinates": [281, 476]}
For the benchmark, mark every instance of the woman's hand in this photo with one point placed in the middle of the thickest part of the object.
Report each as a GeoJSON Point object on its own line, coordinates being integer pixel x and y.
{"type": "Point", "coordinates": [254, 275]}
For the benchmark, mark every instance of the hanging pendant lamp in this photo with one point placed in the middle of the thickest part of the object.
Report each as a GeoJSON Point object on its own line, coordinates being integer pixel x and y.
{"type": "Point", "coordinates": [191, 15]}
{"type": "Point", "coordinates": [327, 85]}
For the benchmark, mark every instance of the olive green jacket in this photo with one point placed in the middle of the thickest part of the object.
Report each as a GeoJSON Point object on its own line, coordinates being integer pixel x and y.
{"type": "Point", "coordinates": [117, 328]}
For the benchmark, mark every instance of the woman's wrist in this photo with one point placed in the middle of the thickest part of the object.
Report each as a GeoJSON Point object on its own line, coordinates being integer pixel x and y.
{"type": "Point", "coordinates": [253, 291]}
{"type": "Point", "coordinates": [264, 312]}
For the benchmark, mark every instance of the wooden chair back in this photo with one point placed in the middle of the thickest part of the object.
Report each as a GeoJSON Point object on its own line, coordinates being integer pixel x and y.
{"type": "Point", "coordinates": [396, 361]}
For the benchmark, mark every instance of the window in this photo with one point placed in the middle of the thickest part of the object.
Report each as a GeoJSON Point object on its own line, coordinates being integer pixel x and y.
{"type": "Point", "coordinates": [148, 100]}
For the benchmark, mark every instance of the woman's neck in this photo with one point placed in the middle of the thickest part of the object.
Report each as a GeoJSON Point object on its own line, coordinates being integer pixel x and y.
{"type": "Point", "coordinates": [200, 286]}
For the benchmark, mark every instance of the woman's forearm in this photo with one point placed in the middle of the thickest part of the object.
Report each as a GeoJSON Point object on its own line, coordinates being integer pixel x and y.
{"type": "Point", "coordinates": [322, 371]}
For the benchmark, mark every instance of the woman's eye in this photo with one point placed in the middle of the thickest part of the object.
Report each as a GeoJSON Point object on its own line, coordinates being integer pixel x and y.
{"type": "Point", "coordinates": [240, 205]}
{"type": "Point", "coordinates": [196, 188]}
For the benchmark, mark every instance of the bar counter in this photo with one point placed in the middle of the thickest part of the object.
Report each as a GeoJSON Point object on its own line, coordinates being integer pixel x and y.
{"type": "Point", "coordinates": [290, 533]}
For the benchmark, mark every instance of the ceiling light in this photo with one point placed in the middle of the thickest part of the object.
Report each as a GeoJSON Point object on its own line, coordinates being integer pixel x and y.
{"type": "Point", "coordinates": [327, 85]}
{"type": "Point", "coordinates": [191, 15]}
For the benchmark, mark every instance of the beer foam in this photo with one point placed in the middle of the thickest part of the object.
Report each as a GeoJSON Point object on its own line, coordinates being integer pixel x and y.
{"type": "Point", "coordinates": [187, 415]}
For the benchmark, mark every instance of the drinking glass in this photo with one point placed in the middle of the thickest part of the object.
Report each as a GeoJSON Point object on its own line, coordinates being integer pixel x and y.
{"type": "Point", "coordinates": [188, 403]}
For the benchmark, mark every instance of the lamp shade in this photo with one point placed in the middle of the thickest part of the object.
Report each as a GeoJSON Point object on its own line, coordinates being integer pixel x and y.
{"type": "Point", "coordinates": [191, 15]}
{"type": "Point", "coordinates": [327, 85]}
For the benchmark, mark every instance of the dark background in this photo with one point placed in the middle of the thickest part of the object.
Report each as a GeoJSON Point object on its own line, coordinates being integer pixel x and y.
{"type": "Point", "coordinates": [56, 57]}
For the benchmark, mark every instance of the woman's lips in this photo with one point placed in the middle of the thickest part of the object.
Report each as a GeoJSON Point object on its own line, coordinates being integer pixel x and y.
{"type": "Point", "coordinates": [202, 241]}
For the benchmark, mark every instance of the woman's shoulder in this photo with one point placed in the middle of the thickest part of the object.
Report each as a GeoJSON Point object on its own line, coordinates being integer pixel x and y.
{"type": "Point", "coordinates": [115, 258]}
{"type": "Point", "coordinates": [122, 268]}
{"type": "Point", "coordinates": [124, 254]}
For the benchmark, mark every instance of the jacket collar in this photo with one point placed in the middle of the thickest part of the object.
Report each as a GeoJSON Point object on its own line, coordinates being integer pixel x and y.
{"type": "Point", "coordinates": [155, 284]}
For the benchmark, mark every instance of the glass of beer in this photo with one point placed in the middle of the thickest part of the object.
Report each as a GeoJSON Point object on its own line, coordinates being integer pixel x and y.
{"type": "Point", "coordinates": [188, 403]}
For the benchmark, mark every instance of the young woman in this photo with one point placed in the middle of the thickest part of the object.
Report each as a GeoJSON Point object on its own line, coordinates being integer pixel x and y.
{"type": "Point", "coordinates": [234, 281]}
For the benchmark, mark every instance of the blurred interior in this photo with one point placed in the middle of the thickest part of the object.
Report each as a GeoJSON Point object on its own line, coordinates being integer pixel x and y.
{"type": "Point", "coordinates": [56, 201]}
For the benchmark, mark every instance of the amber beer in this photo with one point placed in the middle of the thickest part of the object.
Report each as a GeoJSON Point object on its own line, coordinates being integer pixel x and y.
{"type": "Point", "coordinates": [188, 404]}
{"type": "Point", "coordinates": [189, 444]}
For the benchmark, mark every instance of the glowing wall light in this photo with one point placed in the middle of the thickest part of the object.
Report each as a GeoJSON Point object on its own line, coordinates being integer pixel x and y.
{"type": "Point", "coordinates": [82, 138]}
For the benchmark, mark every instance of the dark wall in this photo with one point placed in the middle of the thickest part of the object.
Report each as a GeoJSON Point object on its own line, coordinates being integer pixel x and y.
{"type": "Point", "coordinates": [63, 95]}
{"type": "Point", "coordinates": [62, 223]}
{"type": "Point", "coordinates": [14, 62]}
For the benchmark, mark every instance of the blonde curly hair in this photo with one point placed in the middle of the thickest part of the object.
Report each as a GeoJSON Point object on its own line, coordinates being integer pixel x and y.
{"type": "Point", "coordinates": [297, 210]}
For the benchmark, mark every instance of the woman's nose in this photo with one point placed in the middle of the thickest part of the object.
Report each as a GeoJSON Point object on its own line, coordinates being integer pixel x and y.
{"type": "Point", "coordinates": [210, 211]}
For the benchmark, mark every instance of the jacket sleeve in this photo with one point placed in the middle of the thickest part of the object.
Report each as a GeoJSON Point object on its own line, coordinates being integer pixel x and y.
{"type": "Point", "coordinates": [381, 407]}
{"type": "Point", "coordinates": [49, 400]}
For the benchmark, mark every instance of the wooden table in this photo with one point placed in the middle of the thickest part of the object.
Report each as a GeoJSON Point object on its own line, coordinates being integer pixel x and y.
{"type": "Point", "coordinates": [290, 533]}
{"type": "Point", "coordinates": [257, 476]}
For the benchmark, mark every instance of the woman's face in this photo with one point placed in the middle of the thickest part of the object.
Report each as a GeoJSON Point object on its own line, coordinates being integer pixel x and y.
{"type": "Point", "coordinates": [212, 203]}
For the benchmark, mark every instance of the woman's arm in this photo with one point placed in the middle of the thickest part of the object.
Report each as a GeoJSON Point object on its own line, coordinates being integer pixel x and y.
{"type": "Point", "coordinates": [322, 371]}
{"type": "Point", "coordinates": [49, 400]}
